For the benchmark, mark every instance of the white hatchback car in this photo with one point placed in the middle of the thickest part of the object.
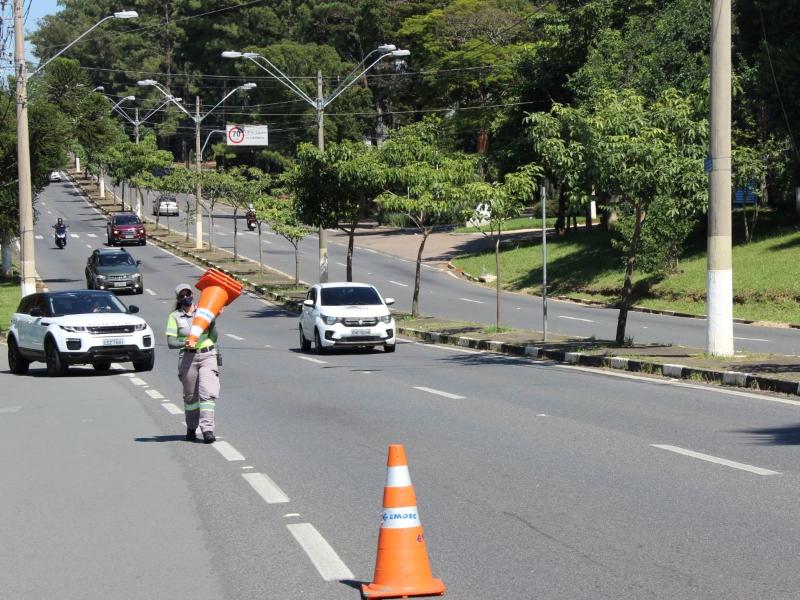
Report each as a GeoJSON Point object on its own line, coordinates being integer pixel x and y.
{"type": "Point", "coordinates": [336, 315]}
{"type": "Point", "coordinates": [78, 327]}
{"type": "Point", "coordinates": [55, 176]}
{"type": "Point", "coordinates": [165, 205]}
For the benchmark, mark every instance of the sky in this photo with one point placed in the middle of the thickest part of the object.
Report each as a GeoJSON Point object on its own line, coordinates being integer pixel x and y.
{"type": "Point", "coordinates": [40, 8]}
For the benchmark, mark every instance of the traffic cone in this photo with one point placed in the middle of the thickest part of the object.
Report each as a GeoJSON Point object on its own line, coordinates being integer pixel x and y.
{"type": "Point", "coordinates": [402, 568]}
{"type": "Point", "coordinates": [218, 290]}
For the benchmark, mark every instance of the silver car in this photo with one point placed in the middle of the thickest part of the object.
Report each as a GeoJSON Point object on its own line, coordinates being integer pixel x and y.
{"type": "Point", "coordinates": [165, 205]}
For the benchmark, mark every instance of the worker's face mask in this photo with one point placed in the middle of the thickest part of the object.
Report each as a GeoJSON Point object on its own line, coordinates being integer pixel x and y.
{"type": "Point", "coordinates": [186, 300]}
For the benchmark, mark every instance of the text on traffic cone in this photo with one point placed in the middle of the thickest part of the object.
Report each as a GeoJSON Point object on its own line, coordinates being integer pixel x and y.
{"type": "Point", "coordinates": [402, 568]}
{"type": "Point", "coordinates": [218, 290]}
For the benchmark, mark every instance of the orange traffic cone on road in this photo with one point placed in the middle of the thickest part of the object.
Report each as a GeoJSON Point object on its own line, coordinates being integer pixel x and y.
{"type": "Point", "coordinates": [218, 290]}
{"type": "Point", "coordinates": [402, 568]}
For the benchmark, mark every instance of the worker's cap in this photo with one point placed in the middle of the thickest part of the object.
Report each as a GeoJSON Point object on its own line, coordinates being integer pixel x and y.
{"type": "Point", "coordinates": [180, 287]}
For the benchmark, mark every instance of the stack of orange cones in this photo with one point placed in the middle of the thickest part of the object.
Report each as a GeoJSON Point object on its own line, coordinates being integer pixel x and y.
{"type": "Point", "coordinates": [218, 290]}
{"type": "Point", "coordinates": [402, 568]}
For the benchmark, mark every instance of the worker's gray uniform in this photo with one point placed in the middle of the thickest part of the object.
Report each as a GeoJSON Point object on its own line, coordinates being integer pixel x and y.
{"type": "Point", "coordinates": [198, 370]}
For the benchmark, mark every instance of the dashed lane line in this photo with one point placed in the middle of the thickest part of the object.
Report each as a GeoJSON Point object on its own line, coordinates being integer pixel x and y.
{"type": "Point", "coordinates": [751, 339]}
{"type": "Point", "coordinates": [313, 360]}
{"type": "Point", "coordinates": [473, 301]}
{"type": "Point", "coordinates": [235, 337]}
{"type": "Point", "coordinates": [439, 393]}
{"type": "Point", "coordinates": [266, 488]}
{"type": "Point", "coordinates": [398, 283]}
{"type": "Point", "coordinates": [172, 409]}
{"type": "Point", "coordinates": [715, 459]}
{"type": "Point", "coordinates": [92, 235]}
{"type": "Point", "coordinates": [575, 319]}
{"type": "Point", "coordinates": [322, 555]}
{"type": "Point", "coordinates": [154, 394]}
{"type": "Point", "coordinates": [149, 291]}
{"type": "Point", "coordinates": [228, 452]}
{"type": "Point", "coordinates": [137, 381]}
{"type": "Point", "coordinates": [39, 237]}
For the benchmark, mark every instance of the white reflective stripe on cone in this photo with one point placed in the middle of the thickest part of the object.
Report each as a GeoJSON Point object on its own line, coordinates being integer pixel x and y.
{"type": "Point", "coordinates": [404, 517]}
{"type": "Point", "coordinates": [398, 477]}
{"type": "Point", "coordinates": [205, 313]}
{"type": "Point", "coordinates": [196, 331]}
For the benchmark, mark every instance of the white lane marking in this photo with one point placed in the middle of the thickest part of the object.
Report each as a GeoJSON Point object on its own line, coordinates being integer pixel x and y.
{"type": "Point", "coordinates": [325, 559]}
{"type": "Point", "coordinates": [154, 394]}
{"type": "Point", "coordinates": [136, 381]}
{"type": "Point", "coordinates": [221, 233]}
{"type": "Point", "coordinates": [541, 415]}
{"type": "Point", "coordinates": [246, 467]}
{"type": "Point", "coordinates": [171, 408]}
{"type": "Point", "coordinates": [92, 235]}
{"type": "Point", "coordinates": [398, 283]}
{"type": "Point", "coordinates": [49, 212]}
{"type": "Point", "coordinates": [44, 203]}
{"type": "Point", "coordinates": [74, 235]}
{"type": "Point", "coordinates": [228, 452]}
{"type": "Point", "coordinates": [575, 319]}
{"type": "Point", "coordinates": [370, 250]}
{"type": "Point", "coordinates": [10, 409]}
{"type": "Point", "coordinates": [448, 348]}
{"type": "Point", "coordinates": [266, 242]}
{"type": "Point", "coordinates": [751, 339]}
{"type": "Point", "coordinates": [117, 366]}
{"type": "Point", "coordinates": [341, 264]}
{"type": "Point", "coordinates": [266, 488]}
{"type": "Point", "coordinates": [439, 392]}
{"type": "Point", "coordinates": [267, 346]}
{"type": "Point", "coordinates": [715, 459]}
{"type": "Point", "coordinates": [289, 515]}
{"type": "Point", "coordinates": [149, 291]}
{"type": "Point", "coordinates": [313, 360]}
{"type": "Point", "coordinates": [234, 337]}
{"type": "Point", "coordinates": [39, 237]}
{"type": "Point", "coordinates": [473, 301]}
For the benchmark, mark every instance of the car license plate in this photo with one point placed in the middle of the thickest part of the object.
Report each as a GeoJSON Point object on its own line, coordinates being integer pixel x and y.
{"type": "Point", "coordinates": [113, 342]}
{"type": "Point", "coordinates": [360, 332]}
{"type": "Point", "coordinates": [119, 284]}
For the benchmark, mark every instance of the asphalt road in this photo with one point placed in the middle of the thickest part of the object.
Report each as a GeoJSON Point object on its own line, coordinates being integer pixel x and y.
{"type": "Point", "coordinates": [444, 295]}
{"type": "Point", "coordinates": [533, 480]}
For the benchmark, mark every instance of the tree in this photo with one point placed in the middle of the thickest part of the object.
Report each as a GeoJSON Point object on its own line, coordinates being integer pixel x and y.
{"type": "Point", "coordinates": [243, 187]}
{"type": "Point", "coordinates": [281, 215]}
{"type": "Point", "coordinates": [182, 181]}
{"type": "Point", "coordinates": [424, 182]}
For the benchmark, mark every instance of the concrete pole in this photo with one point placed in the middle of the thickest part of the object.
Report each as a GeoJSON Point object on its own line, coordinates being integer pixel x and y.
{"type": "Point", "coordinates": [323, 234]}
{"type": "Point", "coordinates": [136, 124]}
{"type": "Point", "coordinates": [198, 207]}
{"type": "Point", "coordinates": [543, 197]}
{"type": "Point", "coordinates": [27, 258]}
{"type": "Point", "coordinates": [102, 183]}
{"type": "Point", "coordinates": [719, 326]}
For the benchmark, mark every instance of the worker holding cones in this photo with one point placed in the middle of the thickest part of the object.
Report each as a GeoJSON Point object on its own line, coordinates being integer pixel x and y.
{"type": "Point", "coordinates": [198, 365]}
{"type": "Point", "coordinates": [402, 568]}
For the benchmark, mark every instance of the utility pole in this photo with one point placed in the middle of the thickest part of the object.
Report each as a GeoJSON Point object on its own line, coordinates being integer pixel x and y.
{"type": "Point", "coordinates": [136, 124]}
{"type": "Point", "coordinates": [27, 258]}
{"type": "Point", "coordinates": [323, 234]}
{"type": "Point", "coordinates": [542, 196]}
{"type": "Point", "coordinates": [719, 325]}
{"type": "Point", "coordinates": [198, 208]}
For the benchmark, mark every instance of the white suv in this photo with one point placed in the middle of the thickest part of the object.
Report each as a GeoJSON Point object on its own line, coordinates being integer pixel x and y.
{"type": "Point", "coordinates": [78, 327]}
{"type": "Point", "coordinates": [346, 314]}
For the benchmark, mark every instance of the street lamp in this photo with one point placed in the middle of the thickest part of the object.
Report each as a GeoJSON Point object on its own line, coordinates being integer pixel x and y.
{"type": "Point", "coordinates": [198, 119]}
{"type": "Point", "coordinates": [27, 257]}
{"type": "Point", "coordinates": [318, 104]}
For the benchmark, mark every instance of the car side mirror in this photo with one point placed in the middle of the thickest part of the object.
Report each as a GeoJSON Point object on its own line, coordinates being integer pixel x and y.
{"type": "Point", "coordinates": [133, 309]}
{"type": "Point", "coordinates": [388, 301]}
{"type": "Point", "coordinates": [308, 302]}
{"type": "Point", "coordinates": [35, 312]}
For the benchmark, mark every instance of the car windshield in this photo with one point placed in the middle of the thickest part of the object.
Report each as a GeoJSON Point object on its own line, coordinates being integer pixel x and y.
{"type": "Point", "coordinates": [113, 260]}
{"type": "Point", "coordinates": [350, 296]}
{"type": "Point", "coordinates": [85, 302]}
{"type": "Point", "coordinates": [126, 220]}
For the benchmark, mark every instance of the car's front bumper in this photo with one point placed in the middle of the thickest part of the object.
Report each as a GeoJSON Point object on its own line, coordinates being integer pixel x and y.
{"type": "Point", "coordinates": [115, 353]}
{"type": "Point", "coordinates": [133, 285]}
{"type": "Point", "coordinates": [84, 347]}
{"type": "Point", "coordinates": [382, 334]}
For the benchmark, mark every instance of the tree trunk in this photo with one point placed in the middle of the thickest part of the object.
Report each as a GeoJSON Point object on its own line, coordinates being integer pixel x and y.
{"type": "Point", "coordinates": [122, 195]}
{"type": "Point", "coordinates": [482, 145]}
{"type": "Point", "coordinates": [188, 214]}
{"type": "Point", "coordinates": [627, 287]}
{"type": "Point", "coordinates": [235, 235]}
{"type": "Point", "coordinates": [296, 264]}
{"type": "Point", "coordinates": [589, 217]}
{"type": "Point", "coordinates": [351, 238]}
{"type": "Point", "coordinates": [562, 214]}
{"type": "Point", "coordinates": [5, 246]}
{"type": "Point", "coordinates": [497, 280]}
{"type": "Point", "coordinates": [260, 250]}
{"type": "Point", "coordinates": [417, 274]}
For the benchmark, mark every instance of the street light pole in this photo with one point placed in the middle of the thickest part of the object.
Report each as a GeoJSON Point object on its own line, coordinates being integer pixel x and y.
{"type": "Point", "coordinates": [319, 103]}
{"type": "Point", "coordinates": [27, 259]}
{"type": "Point", "coordinates": [719, 325]}
{"type": "Point", "coordinates": [198, 207]}
{"type": "Point", "coordinates": [136, 124]}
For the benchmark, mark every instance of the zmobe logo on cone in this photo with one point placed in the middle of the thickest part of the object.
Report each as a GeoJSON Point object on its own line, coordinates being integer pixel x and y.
{"type": "Point", "coordinates": [402, 568]}
{"type": "Point", "coordinates": [218, 290]}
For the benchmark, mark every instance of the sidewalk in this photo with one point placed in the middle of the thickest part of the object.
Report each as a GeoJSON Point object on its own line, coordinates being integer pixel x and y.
{"type": "Point", "coordinates": [765, 372]}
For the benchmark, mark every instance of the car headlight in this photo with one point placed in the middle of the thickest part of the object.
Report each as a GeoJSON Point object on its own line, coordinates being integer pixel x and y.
{"type": "Point", "coordinates": [140, 327]}
{"type": "Point", "coordinates": [72, 329]}
{"type": "Point", "coordinates": [329, 320]}
{"type": "Point", "coordinates": [101, 276]}
{"type": "Point", "coordinates": [137, 275]}
{"type": "Point", "coordinates": [386, 318]}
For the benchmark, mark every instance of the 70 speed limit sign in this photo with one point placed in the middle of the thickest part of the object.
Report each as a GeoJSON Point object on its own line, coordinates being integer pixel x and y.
{"type": "Point", "coordinates": [247, 135]}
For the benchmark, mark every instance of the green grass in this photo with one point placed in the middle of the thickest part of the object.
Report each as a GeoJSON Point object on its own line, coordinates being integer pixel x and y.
{"type": "Point", "coordinates": [766, 276]}
{"type": "Point", "coordinates": [9, 299]}
{"type": "Point", "coordinates": [517, 223]}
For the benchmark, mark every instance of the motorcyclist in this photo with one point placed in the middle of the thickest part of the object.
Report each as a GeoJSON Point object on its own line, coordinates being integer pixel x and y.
{"type": "Point", "coordinates": [60, 234]}
{"type": "Point", "coordinates": [60, 226]}
{"type": "Point", "coordinates": [250, 215]}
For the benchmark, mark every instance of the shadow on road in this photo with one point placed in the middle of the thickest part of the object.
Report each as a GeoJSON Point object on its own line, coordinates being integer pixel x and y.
{"type": "Point", "coordinates": [776, 436]}
{"type": "Point", "coordinates": [161, 438]}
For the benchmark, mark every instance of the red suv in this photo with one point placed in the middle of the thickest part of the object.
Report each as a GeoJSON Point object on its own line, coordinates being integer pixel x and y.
{"type": "Point", "coordinates": [125, 228]}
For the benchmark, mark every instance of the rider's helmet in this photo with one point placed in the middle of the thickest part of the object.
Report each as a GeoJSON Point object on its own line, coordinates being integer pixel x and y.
{"type": "Point", "coordinates": [60, 221]}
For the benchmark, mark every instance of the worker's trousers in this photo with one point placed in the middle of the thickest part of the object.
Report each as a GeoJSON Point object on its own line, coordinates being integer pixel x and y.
{"type": "Point", "coordinates": [199, 374]}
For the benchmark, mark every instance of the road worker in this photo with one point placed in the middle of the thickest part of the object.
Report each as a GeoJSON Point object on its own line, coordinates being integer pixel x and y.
{"type": "Point", "coordinates": [198, 366]}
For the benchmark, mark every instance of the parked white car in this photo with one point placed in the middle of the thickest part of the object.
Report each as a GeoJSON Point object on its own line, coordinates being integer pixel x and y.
{"type": "Point", "coordinates": [342, 314]}
{"type": "Point", "coordinates": [165, 205]}
{"type": "Point", "coordinates": [55, 176]}
{"type": "Point", "coordinates": [78, 327]}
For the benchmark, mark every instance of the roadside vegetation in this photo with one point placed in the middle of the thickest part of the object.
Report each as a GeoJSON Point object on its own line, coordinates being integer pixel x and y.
{"type": "Point", "coordinates": [9, 299]}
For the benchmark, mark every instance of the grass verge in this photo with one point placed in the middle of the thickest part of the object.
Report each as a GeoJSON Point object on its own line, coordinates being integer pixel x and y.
{"type": "Point", "coordinates": [9, 299]}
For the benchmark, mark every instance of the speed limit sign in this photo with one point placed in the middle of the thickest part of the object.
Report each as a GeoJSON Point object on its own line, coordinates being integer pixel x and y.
{"type": "Point", "coordinates": [235, 135]}
{"type": "Point", "coordinates": [247, 135]}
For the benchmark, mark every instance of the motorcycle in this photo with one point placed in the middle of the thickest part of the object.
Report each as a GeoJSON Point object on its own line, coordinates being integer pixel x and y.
{"type": "Point", "coordinates": [60, 236]}
{"type": "Point", "coordinates": [251, 220]}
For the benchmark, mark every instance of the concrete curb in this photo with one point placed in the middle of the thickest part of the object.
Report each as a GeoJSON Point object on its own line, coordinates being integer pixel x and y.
{"type": "Point", "coordinates": [673, 371]}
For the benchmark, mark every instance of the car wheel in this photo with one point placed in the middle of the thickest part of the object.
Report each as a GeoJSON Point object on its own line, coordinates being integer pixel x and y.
{"type": "Point", "coordinates": [102, 365]}
{"type": "Point", "coordinates": [140, 290]}
{"type": "Point", "coordinates": [318, 347]}
{"type": "Point", "coordinates": [146, 364]}
{"type": "Point", "coordinates": [389, 347]}
{"type": "Point", "coordinates": [16, 362]}
{"type": "Point", "coordinates": [305, 345]}
{"type": "Point", "coordinates": [56, 367]}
